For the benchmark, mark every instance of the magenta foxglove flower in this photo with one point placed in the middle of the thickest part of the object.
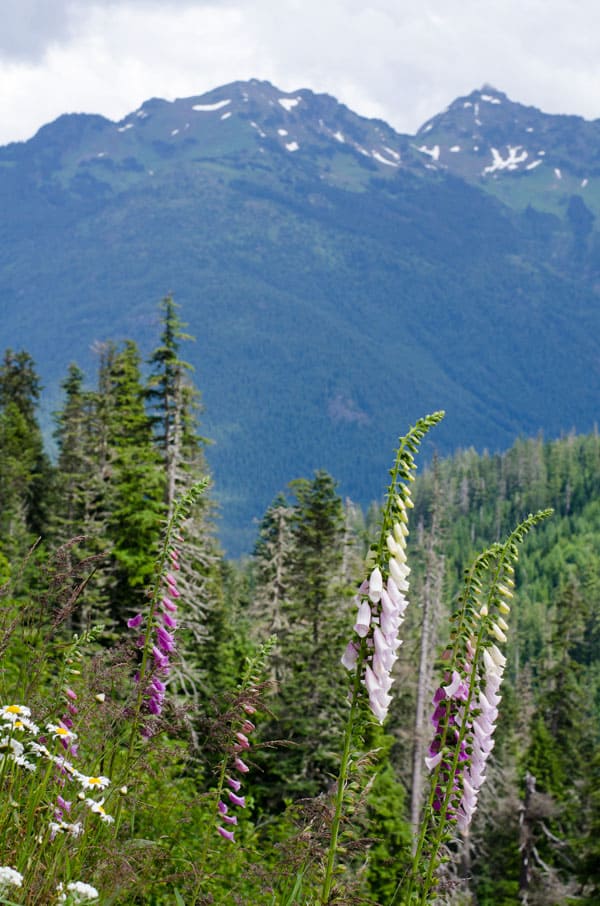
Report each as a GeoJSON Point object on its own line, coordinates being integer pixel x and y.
{"type": "Point", "coordinates": [240, 766]}
{"type": "Point", "coordinates": [135, 621]}
{"type": "Point", "coordinates": [227, 834]}
{"type": "Point", "coordinates": [165, 641]}
{"type": "Point", "coordinates": [161, 660]}
{"type": "Point", "coordinates": [169, 621]}
{"type": "Point", "coordinates": [242, 740]}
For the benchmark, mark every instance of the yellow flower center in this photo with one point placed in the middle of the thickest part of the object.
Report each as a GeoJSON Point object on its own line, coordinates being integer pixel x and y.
{"type": "Point", "coordinates": [14, 709]}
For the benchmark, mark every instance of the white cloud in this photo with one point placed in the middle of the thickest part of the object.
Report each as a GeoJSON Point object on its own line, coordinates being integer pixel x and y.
{"type": "Point", "coordinates": [393, 59]}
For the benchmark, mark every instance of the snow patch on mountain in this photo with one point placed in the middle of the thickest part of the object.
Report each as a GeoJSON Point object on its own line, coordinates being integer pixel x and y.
{"type": "Point", "coordinates": [383, 160]}
{"type": "Point", "coordinates": [434, 153]}
{"type": "Point", "coordinates": [207, 108]}
{"type": "Point", "coordinates": [289, 103]}
{"type": "Point", "coordinates": [516, 155]}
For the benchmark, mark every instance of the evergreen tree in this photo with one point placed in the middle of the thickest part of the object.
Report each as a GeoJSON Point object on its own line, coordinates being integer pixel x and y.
{"type": "Point", "coordinates": [174, 405]}
{"type": "Point", "coordinates": [135, 491]}
{"type": "Point", "coordinates": [272, 558]}
{"type": "Point", "coordinates": [315, 622]}
{"type": "Point", "coordinates": [25, 472]}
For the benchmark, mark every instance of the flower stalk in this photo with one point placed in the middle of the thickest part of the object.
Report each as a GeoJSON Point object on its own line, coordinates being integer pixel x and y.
{"type": "Point", "coordinates": [465, 707]}
{"type": "Point", "coordinates": [381, 603]}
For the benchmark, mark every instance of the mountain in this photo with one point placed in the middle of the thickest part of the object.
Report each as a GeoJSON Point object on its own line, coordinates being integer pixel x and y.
{"type": "Point", "coordinates": [341, 279]}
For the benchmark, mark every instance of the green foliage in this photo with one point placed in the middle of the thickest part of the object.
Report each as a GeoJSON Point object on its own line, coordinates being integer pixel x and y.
{"type": "Point", "coordinates": [308, 709]}
{"type": "Point", "coordinates": [25, 473]}
{"type": "Point", "coordinates": [111, 484]}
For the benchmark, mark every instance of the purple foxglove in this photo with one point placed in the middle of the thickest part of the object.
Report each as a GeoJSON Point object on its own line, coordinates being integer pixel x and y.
{"type": "Point", "coordinates": [161, 660]}
{"type": "Point", "coordinates": [236, 800]}
{"type": "Point", "coordinates": [166, 642]}
{"type": "Point", "coordinates": [243, 740]}
{"type": "Point", "coordinates": [135, 621]}
{"type": "Point", "coordinates": [457, 688]}
{"type": "Point", "coordinates": [154, 706]}
{"type": "Point", "coordinates": [227, 834]}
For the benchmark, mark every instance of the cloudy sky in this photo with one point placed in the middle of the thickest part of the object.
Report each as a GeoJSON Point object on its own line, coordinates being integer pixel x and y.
{"type": "Point", "coordinates": [402, 60]}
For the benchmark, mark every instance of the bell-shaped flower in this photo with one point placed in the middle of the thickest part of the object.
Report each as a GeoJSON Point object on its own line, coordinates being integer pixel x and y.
{"type": "Point", "coordinates": [375, 585]}
{"type": "Point", "coordinates": [363, 619]}
{"type": "Point", "coordinates": [350, 656]}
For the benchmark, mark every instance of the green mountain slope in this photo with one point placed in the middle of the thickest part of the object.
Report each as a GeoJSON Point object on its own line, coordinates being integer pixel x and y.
{"type": "Point", "coordinates": [338, 280]}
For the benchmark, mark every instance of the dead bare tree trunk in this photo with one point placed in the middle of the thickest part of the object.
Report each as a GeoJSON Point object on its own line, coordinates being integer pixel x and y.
{"type": "Point", "coordinates": [431, 606]}
{"type": "Point", "coordinates": [526, 842]}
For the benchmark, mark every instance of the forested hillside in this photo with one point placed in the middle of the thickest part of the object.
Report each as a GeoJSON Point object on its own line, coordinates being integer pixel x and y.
{"type": "Point", "coordinates": [339, 276]}
{"type": "Point", "coordinates": [242, 659]}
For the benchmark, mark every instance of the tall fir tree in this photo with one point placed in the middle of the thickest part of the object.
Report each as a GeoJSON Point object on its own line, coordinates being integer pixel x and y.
{"type": "Point", "coordinates": [135, 500]}
{"type": "Point", "coordinates": [174, 404]}
{"type": "Point", "coordinates": [308, 707]}
{"type": "Point", "coordinates": [25, 471]}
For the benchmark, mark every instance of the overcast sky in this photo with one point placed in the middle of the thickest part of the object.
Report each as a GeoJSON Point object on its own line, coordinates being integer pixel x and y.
{"type": "Point", "coordinates": [401, 60]}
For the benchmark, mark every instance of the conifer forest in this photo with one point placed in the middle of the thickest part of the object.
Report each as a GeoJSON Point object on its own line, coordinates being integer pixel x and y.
{"type": "Point", "coordinates": [391, 706]}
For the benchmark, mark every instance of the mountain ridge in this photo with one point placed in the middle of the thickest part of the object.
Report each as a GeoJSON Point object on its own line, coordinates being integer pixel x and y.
{"type": "Point", "coordinates": [336, 292]}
